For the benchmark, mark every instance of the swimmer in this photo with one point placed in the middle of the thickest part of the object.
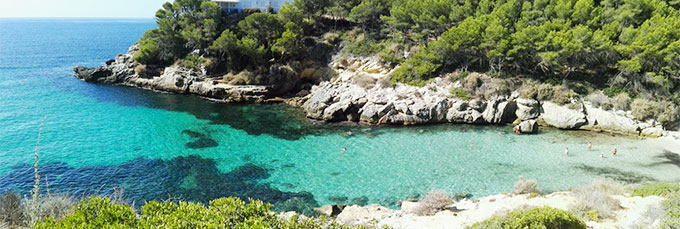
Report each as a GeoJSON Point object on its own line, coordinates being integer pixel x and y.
{"type": "Point", "coordinates": [517, 130]}
{"type": "Point", "coordinates": [499, 133]}
{"type": "Point", "coordinates": [566, 151]}
{"type": "Point", "coordinates": [614, 151]}
{"type": "Point", "coordinates": [350, 133]}
{"type": "Point", "coordinates": [601, 155]}
{"type": "Point", "coordinates": [590, 146]}
{"type": "Point", "coordinates": [343, 150]}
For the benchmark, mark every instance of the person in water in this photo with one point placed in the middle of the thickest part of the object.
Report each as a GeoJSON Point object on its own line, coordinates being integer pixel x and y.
{"type": "Point", "coordinates": [566, 151]}
{"type": "Point", "coordinates": [601, 155]}
{"type": "Point", "coordinates": [614, 151]}
{"type": "Point", "coordinates": [590, 145]}
{"type": "Point", "coordinates": [343, 150]}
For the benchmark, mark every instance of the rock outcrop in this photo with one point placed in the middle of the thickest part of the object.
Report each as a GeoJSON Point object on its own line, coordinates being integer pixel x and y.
{"type": "Point", "coordinates": [349, 98]}
{"type": "Point", "coordinates": [122, 71]}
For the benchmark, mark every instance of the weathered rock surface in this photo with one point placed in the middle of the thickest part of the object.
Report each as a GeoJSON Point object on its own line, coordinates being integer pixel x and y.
{"type": "Point", "coordinates": [343, 99]}
{"type": "Point", "coordinates": [562, 117]}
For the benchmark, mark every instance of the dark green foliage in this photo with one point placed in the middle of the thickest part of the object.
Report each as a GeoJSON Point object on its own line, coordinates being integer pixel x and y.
{"type": "Point", "coordinates": [545, 217]}
{"type": "Point", "coordinates": [183, 26]}
{"type": "Point", "coordinates": [657, 189]}
{"type": "Point", "coordinates": [628, 44]}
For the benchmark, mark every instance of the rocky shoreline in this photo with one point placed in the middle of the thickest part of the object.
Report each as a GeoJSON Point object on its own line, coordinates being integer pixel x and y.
{"type": "Point", "coordinates": [634, 212]}
{"type": "Point", "coordinates": [360, 91]}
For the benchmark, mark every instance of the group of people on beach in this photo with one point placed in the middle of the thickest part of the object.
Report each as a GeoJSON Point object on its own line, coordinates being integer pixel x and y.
{"type": "Point", "coordinates": [590, 147]}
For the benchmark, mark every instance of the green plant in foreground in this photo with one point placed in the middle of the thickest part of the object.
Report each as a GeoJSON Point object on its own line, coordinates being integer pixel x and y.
{"type": "Point", "coordinates": [232, 212]}
{"type": "Point", "coordinates": [657, 189]}
{"type": "Point", "coordinates": [545, 217]}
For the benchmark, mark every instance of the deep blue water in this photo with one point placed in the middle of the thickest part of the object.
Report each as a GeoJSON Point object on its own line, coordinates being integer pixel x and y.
{"type": "Point", "coordinates": [155, 145]}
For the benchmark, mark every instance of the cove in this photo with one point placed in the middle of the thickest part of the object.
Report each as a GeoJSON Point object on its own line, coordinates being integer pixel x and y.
{"type": "Point", "coordinates": [157, 145]}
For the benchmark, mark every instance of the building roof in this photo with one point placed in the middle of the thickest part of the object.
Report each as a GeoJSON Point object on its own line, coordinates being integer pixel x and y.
{"type": "Point", "coordinates": [231, 1]}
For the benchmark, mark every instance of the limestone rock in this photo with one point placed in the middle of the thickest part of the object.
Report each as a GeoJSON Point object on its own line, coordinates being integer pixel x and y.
{"type": "Point", "coordinates": [356, 215]}
{"type": "Point", "coordinates": [527, 109]}
{"type": "Point", "coordinates": [561, 116]}
{"type": "Point", "coordinates": [527, 127]}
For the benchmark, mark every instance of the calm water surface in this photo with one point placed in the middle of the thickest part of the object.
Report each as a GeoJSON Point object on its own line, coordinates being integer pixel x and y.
{"type": "Point", "coordinates": [156, 146]}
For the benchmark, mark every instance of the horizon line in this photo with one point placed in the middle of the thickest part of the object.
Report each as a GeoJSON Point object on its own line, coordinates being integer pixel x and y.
{"type": "Point", "coordinates": [86, 17]}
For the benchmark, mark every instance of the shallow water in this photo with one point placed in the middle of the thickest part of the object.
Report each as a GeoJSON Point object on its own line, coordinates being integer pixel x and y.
{"type": "Point", "coordinates": [156, 146]}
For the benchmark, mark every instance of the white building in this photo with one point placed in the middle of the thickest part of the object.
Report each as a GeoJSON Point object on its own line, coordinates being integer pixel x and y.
{"type": "Point", "coordinates": [238, 5]}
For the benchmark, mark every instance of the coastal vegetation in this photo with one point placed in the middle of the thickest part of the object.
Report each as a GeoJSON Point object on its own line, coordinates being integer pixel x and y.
{"type": "Point", "coordinates": [624, 54]}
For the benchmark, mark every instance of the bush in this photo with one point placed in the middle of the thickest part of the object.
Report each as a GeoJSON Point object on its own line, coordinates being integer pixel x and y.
{"type": "Point", "coordinates": [330, 37]}
{"type": "Point", "coordinates": [460, 93]}
{"type": "Point", "coordinates": [545, 217]}
{"type": "Point", "coordinates": [97, 212]}
{"type": "Point", "coordinates": [11, 211]}
{"type": "Point", "coordinates": [433, 202]}
{"type": "Point", "coordinates": [622, 102]}
{"type": "Point", "coordinates": [644, 109]}
{"type": "Point", "coordinates": [671, 205]}
{"type": "Point", "coordinates": [523, 186]}
{"type": "Point", "coordinates": [657, 189]}
{"type": "Point", "coordinates": [593, 201]}
{"type": "Point", "coordinates": [50, 206]}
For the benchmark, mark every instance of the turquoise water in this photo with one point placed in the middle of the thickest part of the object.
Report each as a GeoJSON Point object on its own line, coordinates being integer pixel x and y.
{"type": "Point", "coordinates": [157, 146]}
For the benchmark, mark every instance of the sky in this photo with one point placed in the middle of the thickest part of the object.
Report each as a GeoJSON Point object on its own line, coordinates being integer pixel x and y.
{"type": "Point", "coordinates": [80, 8]}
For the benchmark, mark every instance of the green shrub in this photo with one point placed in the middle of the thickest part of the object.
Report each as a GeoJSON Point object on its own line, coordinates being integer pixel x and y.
{"type": "Point", "coordinates": [97, 212]}
{"type": "Point", "coordinates": [460, 93]}
{"type": "Point", "coordinates": [545, 217]}
{"type": "Point", "coordinates": [657, 189]}
{"type": "Point", "coordinates": [672, 203]}
{"type": "Point", "coordinates": [193, 62]}
{"type": "Point", "coordinates": [644, 109]}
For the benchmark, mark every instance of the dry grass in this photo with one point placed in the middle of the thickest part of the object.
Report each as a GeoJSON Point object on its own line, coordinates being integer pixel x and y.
{"type": "Point", "coordinates": [364, 80]}
{"type": "Point", "coordinates": [523, 186]}
{"type": "Point", "coordinates": [433, 202]}
{"type": "Point", "coordinates": [594, 201]}
{"type": "Point", "coordinates": [11, 210]}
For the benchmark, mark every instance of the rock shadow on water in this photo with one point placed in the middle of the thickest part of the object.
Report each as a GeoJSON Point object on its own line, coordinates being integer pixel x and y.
{"type": "Point", "coordinates": [669, 158]}
{"type": "Point", "coordinates": [616, 174]}
{"type": "Point", "coordinates": [201, 141]}
{"type": "Point", "coordinates": [190, 178]}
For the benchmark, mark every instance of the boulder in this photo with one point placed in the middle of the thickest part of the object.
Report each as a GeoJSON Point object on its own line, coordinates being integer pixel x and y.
{"type": "Point", "coordinates": [654, 132]}
{"type": "Point", "coordinates": [330, 210]}
{"type": "Point", "coordinates": [610, 120]}
{"type": "Point", "coordinates": [527, 127]}
{"type": "Point", "coordinates": [527, 109]}
{"type": "Point", "coordinates": [561, 116]}
{"type": "Point", "coordinates": [100, 74]}
{"type": "Point", "coordinates": [498, 111]}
